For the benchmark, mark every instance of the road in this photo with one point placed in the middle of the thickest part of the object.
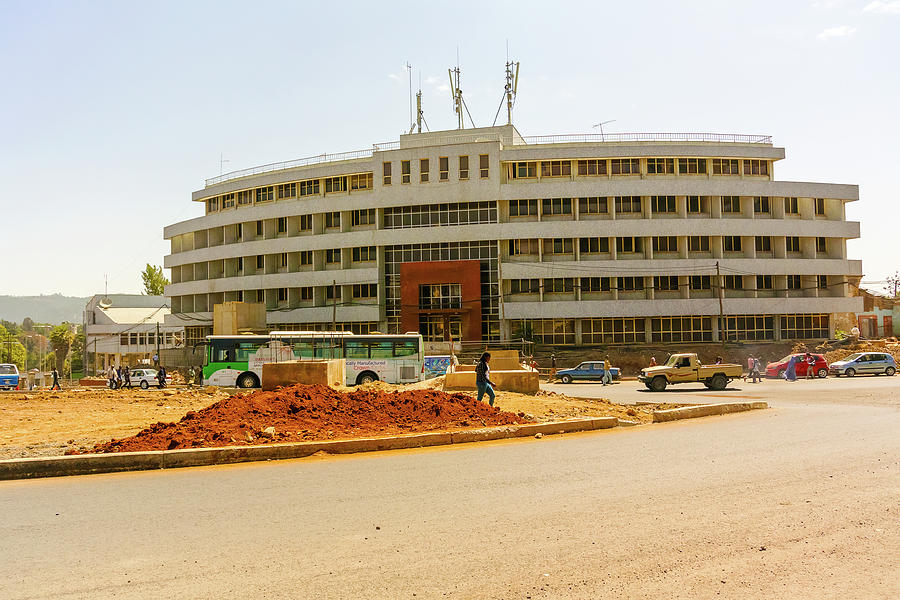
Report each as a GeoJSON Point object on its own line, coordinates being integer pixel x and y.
{"type": "Point", "coordinates": [799, 501]}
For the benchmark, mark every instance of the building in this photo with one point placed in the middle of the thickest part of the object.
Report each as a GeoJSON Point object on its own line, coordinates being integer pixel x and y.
{"type": "Point", "coordinates": [879, 315]}
{"type": "Point", "coordinates": [488, 235]}
{"type": "Point", "coordinates": [127, 329]}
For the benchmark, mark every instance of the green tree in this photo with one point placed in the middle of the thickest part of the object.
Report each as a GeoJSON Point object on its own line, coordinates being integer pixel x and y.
{"type": "Point", "coordinates": [28, 324]}
{"type": "Point", "coordinates": [11, 350]}
{"type": "Point", "coordinates": [61, 339]}
{"type": "Point", "coordinates": [154, 280]}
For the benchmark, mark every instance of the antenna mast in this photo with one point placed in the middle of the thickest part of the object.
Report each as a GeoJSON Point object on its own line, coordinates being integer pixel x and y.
{"type": "Point", "coordinates": [509, 91]}
{"type": "Point", "coordinates": [459, 104]}
{"type": "Point", "coordinates": [420, 114]}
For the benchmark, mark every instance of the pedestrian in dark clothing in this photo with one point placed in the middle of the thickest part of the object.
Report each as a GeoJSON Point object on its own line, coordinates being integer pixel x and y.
{"type": "Point", "coordinates": [161, 376]}
{"type": "Point", "coordinates": [55, 375]}
{"type": "Point", "coordinates": [755, 377]}
{"type": "Point", "coordinates": [483, 381]}
{"type": "Point", "coordinates": [126, 375]}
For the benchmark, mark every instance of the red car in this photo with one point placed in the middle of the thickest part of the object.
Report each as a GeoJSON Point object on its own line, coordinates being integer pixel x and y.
{"type": "Point", "coordinates": [777, 368]}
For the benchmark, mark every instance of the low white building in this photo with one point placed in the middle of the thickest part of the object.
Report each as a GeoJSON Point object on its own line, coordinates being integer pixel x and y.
{"type": "Point", "coordinates": [127, 329]}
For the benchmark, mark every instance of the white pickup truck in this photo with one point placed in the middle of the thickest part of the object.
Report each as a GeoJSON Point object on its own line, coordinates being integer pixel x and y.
{"type": "Point", "coordinates": [686, 368]}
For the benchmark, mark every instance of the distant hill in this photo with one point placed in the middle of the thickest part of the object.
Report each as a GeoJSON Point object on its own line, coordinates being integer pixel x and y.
{"type": "Point", "coordinates": [54, 308]}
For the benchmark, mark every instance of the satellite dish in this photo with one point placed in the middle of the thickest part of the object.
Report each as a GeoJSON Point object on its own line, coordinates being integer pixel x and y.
{"type": "Point", "coordinates": [105, 303]}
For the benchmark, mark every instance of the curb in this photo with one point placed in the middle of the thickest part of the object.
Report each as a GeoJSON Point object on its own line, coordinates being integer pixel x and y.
{"type": "Point", "coordinates": [705, 410]}
{"type": "Point", "coordinates": [86, 464]}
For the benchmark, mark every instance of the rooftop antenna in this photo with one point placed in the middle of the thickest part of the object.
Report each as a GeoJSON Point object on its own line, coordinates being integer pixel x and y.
{"type": "Point", "coordinates": [601, 124]}
{"type": "Point", "coordinates": [105, 302]}
{"type": "Point", "coordinates": [409, 73]}
{"type": "Point", "coordinates": [509, 90]}
{"type": "Point", "coordinates": [456, 93]}
{"type": "Point", "coordinates": [420, 114]}
{"type": "Point", "coordinates": [222, 161]}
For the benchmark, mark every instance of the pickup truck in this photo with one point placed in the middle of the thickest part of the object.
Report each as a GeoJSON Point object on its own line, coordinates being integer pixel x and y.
{"type": "Point", "coordinates": [686, 368]}
{"type": "Point", "coordinates": [9, 377]}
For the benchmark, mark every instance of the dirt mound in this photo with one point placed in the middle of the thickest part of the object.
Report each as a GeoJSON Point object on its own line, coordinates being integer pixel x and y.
{"type": "Point", "coordinates": [313, 412]}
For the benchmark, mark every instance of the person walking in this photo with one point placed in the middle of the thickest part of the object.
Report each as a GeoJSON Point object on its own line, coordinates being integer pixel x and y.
{"type": "Point", "coordinates": [111, 375]}
{"type": "Point", "coordinates": [552, 367]}
{"type": "Point", "coordinates": [652, 361]}
{"type": "Point", "coordinates": [126, 376]}
{"type": "Point", "coordinates": [483, 381]}
{"type": "Point", "coordinates": [161, 376]}
{"type": "Point", "coordinates": [790, 372]}
{"type": "Point", "coordinates": [810, 366]}
{"type": "Point", "coordinates": [55, 375]}
{"type": "Point", "coordinates": [607, 372]}
{"type": "Point", "coordinates": [755, 377]}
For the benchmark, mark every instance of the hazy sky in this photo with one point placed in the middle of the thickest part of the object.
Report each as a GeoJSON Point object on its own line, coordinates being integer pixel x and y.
{"type": "Point", "coordinates": [112, 113]}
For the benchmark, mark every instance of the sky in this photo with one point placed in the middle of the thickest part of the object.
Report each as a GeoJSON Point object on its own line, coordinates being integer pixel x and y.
{"type": "Point", "coordinates": [112, 113]}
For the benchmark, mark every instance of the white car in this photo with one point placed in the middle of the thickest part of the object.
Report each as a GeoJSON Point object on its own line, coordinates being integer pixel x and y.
{"type": "Point", "coordinates": [147, 377]}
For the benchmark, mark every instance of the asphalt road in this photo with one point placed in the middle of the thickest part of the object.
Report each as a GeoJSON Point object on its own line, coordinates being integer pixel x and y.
{"type": "Point", "coordinates": [799, 501]}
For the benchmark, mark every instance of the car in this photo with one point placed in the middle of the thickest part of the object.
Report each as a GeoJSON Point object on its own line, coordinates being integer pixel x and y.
{"type": "Point", "coordinates": [9, 377]}
{"type": "Point", "coordinates": [589, 370]}
{"type": "Point", "coordinates": [147, 377]}
{"type": "Point", "coordinates": [687, 368]}
{"type": "Point", "coordinates": [874, 363]}
{"type": "Point", "coordinates": [777, 368]}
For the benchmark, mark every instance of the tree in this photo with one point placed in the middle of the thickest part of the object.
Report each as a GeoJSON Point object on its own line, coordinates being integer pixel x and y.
{"type": "Point", "coordinates": [61, 339]}
{"type": "Point", "coordinates": [28, 324]}
{"type": "Point", "coordinates": [893, 285]}
{"type": "Point", "coordinates": [154, 280]}
{"type": "Point", "coordinates": [11, 351]}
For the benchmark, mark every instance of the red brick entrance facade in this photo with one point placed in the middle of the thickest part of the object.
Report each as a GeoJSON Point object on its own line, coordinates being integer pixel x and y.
{"type": "Point", "coordinates": [466, 273]}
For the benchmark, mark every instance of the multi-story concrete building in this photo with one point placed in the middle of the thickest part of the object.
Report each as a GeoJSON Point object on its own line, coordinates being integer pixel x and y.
{"type": "Point", "coordinates": [488, 235]}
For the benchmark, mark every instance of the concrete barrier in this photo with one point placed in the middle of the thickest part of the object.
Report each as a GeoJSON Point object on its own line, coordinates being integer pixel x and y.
{"type": "Point", "coordinates": [705, 410]}
{"type": "Point", "coordinates": [326, 372]}
{"type": "Point", "coordinates": [523, 382]}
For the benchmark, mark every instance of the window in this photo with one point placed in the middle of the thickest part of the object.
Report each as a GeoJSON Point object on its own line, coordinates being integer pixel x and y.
{"type": "Point", "coordinates": [726, 166]}
{"type": "Point", "coordinates": [595, 284]}
{"type": "Point", "coordinates": [244, 197]}
{"type": "Point", "coordinates": [731, 243]}
{"type": "Point", "coordinates": [593, 245]}
{"type": "Point", "coordinates": [306, 293]}
{"type": "Point", "coordinates": [749, 327]}
{"type": "Point", "coordinates": [333, 256]}
{"type": "Point", "coordinates": [264, 194]}
{"type": "Point", "coordinates": [362, 217]}
{"type": "Point", "coordinates": [763, 282]}
{"type": "Point", "coordinates": [227, 200]}
{"type": "Point", "coordinates": [792, 243]}
{"type": "Point", "coordinates": [260, 262]}
{"type": "Point", "coordinates": [628, 245]}
{"type": "Point", "coordinates": [436, 296]}
{"type": "Point", "coordinates": [283, 260]}
{"type": "Point", "coordinates": [524, 286]}
{"type": "Point", "coordinates": [613, 331]}
{"type": "Point", "coordinates": [281, 224]}
{"type": "Point", "coordinates": [405, 171]}
{"type": "Point", "coordinates": [559, 285]}
{"type": "Point", "coordinates": [333, 292]}
{"type": "Point", "coordinates": [761, 204]}
{"type": "Point", "coordinates": [628, 204]}
{"type": "Point", "coordinates": [463, 168]}
{"type": "Point", "coordinates": [360, 181]}
{"type": "Point", "coordinates": [524, 170]}
{"type": "Point", "coordinates": [763, 243]}
{"type": "Point", "coordinates": [630, 284]}
{"type": "Point", "coordinates": [441, 215]}
{"type": "Point", "coordinates": [790, 206]}
{"type": "Point", "coordinates": [692, 166]}
{"type": "Point", "coordinates": [548, 331]}
{"type": "Point", "coordinates": [123, 339]}
{"type": "Point", "coordinates": [282, 294]}
{"type": "Point", "coordinates": [665, 243]}
{"type": "Point", "coordinates": [660, 166]}
{"type": "Point", "coordinates": [520, 247]}
{"type": "Point", "coordinates": [259, 228]}
{"type": "Point", "coordinates": [558, 246]}
{"type": "Point", "coordinates": [335, 184]}
{"type": "Point", "coordinates": [365, 290]}
{"type": "Point", "coordinates": [556, 206]}
{"type": "Point", "coordinates": [756, 167]}
{"type": "Point", "coordinates": [821, 246]}
{"type": "Point", "coordinates": [593, 206]}
{"type": "Point", "coordinates": [332, 220]}
{"type": "Point", "coordinates": [364, 254]}
{"type": "Point", "coordinates": [696, 204]}
{"type": "Point", "coordinates": [820, 206]}
{"type": "Point", "coordinates": [804, 326]}
{"type": "Point", "coordinates": [305, 222]}
{"type": "Point", "coordinates": [212, 205]}
{"type": "Point", "coordinates": [287, 190]}
{"type": "Point", "coordinates": [522, 208]}
{"type": "Point", "coordinates": [305, 257]}
{"type": "Point", "coordinates": [731, 204]}
{"type": "Point", "coordinates": [698, 243]}
{"type": "Point", "coordinates": [423, 170]}
{"type": "Point", "coordinates": [240, 264]}
{"type": "Point", "coordinates": [700, 282]}
{"type": "Point", "coordinates": [734, 282]}
{"type": "Point", "coordinates": [484, 165]}
{"type": "Point", "coordinates": [662, 204]}
{"type": "Point", "coordinates": [822, 282]}
{"type": "Point", "coordinates": [556, 168]}
{"type": "Point", "coordinates": [793, 282]}
{"type": "Point", "coordinates": [310, 187]}
{"type": "Point", "coordinates": [625, 166]}
{"type": "Point", "coordinates": [443, 168]}
{"type": "Point", "coordinates": [666, 283]}
{"type": "Point", "coordinates": [386, 173]}
{"type": "Point", "coordinates": [593, 166]}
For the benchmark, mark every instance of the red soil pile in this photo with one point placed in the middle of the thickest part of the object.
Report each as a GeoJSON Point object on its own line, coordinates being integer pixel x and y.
{"type": "Point", "coordinates": [314, 412]}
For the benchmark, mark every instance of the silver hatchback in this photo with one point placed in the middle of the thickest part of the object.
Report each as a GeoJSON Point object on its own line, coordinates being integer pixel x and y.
{"type": "Point", "coordinates": [874, 363]}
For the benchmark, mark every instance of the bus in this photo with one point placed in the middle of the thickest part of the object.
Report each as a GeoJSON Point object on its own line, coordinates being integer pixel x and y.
{"type": "Point", "coordinates": [237, 360]}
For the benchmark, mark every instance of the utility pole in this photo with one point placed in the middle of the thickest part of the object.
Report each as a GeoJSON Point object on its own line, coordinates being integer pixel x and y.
{"type": "Point", "coordinates": [721, 310]}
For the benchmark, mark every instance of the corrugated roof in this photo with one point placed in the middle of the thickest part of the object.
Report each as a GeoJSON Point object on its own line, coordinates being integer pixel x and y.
{"type": "Point", "coordinates": [127, 315]}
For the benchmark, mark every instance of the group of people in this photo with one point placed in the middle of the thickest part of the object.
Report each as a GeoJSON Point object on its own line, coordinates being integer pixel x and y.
{"type": "Point", "coordinates": [120, 377]}
{"type": "Point", "coordinates": [790, 371]}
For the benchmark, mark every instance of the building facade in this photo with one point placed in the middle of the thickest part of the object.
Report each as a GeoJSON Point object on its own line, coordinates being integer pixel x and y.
{"type": "Point", "coordinates": [483, 234]}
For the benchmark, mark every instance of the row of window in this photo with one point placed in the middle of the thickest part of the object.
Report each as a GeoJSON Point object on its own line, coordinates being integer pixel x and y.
{"type": "Point", "coordinates": [296, 189]}
{"type": "Point", "coordinates": [632, 166]}
{"type": "Point", "coordinates": [462, 164]}
{"type": "Point", "coordinates": [358, 291]}
{"type": "Point", "coordinates": [658, 205]}
{"type": "Point", "coordinates": [663, 283]}
{"type": "Point", "coordinates": [147, 339]}
{"type": "Point", "coordinates": [660, 244]}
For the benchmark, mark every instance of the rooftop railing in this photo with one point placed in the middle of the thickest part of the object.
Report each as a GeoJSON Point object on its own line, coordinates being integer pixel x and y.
{"type": "Point", "coordinates": [733, 138]}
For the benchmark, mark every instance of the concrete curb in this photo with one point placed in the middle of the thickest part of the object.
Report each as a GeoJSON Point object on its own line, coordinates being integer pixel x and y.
{"type": "Point", "coordinates": [705, 410]}
{"type": "Point", "coordinates": [86, 464]}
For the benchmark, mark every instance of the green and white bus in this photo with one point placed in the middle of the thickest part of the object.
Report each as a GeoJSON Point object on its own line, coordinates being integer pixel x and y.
{"type": "Point", "coordinates": [237, 360]}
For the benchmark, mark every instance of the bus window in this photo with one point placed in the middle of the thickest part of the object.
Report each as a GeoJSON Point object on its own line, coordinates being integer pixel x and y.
{"type": "Point", "coordinates": [245, 349]}
{"type": "Point", "coordinates": [406, 348]}
{"type": "Point", "coordinates": [381, 349]}
{"type": "Point", "coordinates": [328, 349]}
{"type": "Point", "coordinates": [221, 351]}
{"type": "Point", "coordinates": [356, 349]}
{"type": "Point", "coordinates": [303, 348]}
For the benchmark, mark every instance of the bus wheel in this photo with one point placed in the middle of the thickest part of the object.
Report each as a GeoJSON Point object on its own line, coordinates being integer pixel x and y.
{"type": "Point", "coordinates": [247, 380]}
{"type": "Point", "coordinates": [366, 377]}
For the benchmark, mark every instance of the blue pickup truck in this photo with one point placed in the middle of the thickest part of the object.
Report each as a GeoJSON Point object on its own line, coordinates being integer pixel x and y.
{"type": "Point", "coordinates": [9, 377]}
{"type": "Point", "coordinates": [591, 370]}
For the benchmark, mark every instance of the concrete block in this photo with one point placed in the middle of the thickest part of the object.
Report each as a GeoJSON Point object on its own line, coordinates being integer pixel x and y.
{"type": "Point", "coordinates": [325, 372]}
{"type": "Point", "coordinates": [483, 434]}
{"type": "Point", "coordinates": [523, 382]}
{"type": "Point", "coordinates": [704, 410]}
{"type": "Point", "coordinates": [82, 464]}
